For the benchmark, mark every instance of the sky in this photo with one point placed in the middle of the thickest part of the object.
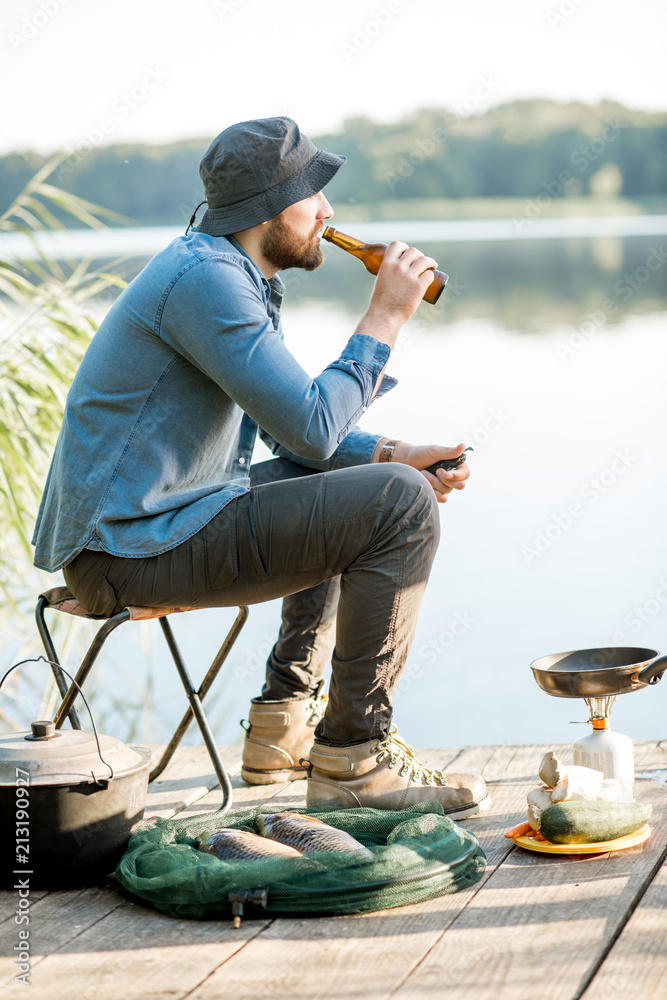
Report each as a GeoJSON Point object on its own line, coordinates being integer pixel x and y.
{"type": "Point", "coordinates": [83, 71]}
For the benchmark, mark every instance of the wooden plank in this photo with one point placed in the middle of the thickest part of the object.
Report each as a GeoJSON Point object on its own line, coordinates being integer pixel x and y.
{"type": "Point", "coordinates": [651, 763]}
{"type": "Point", "coordinates": [63, 927]}
{"type": "Point", "coordinates": [188, 778]}
{"type": "Point", "coordinates": [327, 958]}
{"type": "Point", "coordinates": [247, 796]}
{"type": "Point", "coordinates": [380, 949]}
{"type": "Point", "coordinates": [55, 920]}
{"type": "Point", "coordinates": [285, 957]}
{"type": "Point", "coordinates": [119, 957]}
{"type": "Point", "coordinates": [508, 794]}
{"type": "Point", "coordinates": [636, 966]}
{"type": "Point", "coordinates": [8, 900]}
{"type": "Point", "coordinates": [63, 915]}
{"type": "Point", "coordinates": [541, 923]}
{"type": "Point", "coordinates": [650, 754]}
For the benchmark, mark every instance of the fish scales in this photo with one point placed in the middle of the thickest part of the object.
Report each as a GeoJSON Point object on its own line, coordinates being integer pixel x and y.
{"type": "Point", "coordinates": [228, 844]}
{"type": "Point", "coordinates": [310, 835]}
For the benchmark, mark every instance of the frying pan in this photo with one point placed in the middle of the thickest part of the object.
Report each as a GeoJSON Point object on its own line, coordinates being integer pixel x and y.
{"type": "Point", "coordinates": [598, 673]}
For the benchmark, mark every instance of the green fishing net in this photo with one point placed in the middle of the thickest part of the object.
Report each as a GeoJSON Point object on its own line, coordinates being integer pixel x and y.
{"type": "Point", "coordinates": [418, 854]}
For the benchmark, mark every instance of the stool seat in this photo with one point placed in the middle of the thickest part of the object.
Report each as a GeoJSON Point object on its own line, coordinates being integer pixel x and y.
{"type": "Point", "coordinates": [63, 600]}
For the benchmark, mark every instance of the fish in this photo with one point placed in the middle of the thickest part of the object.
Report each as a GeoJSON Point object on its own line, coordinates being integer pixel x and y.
{"type": "Point", "coordinates": [310, 835]}
{"type": "Point", "coordinates": [228, 844]}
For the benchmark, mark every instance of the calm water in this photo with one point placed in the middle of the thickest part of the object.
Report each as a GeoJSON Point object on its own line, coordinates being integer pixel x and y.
{"type": "Point", "coordinates": [549, 358]}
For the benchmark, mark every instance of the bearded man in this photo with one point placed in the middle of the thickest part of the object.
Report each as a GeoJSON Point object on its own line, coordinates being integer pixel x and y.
{"type": "Point", "coordinates": [151, 498]}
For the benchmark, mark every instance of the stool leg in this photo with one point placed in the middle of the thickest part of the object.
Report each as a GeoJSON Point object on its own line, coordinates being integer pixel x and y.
{"type": "Point", "coordinates": [96, 645]}
{"type": "Point", "coordinates": [224, 650]}
{"type": "Point", "coordinates": [204, 688]}
{"type": "Point", "coordinates": [197, 710]}
{"type": "Point", "coordinates": [52, 657]}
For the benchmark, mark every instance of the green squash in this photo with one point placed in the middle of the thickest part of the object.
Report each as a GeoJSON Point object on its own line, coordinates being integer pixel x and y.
{"type": "Point", "coordinates": [592, 822]}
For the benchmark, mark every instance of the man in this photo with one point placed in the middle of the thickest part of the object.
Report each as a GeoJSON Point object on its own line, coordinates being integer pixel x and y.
{"type": "Point", "coordinates": [151, 500]}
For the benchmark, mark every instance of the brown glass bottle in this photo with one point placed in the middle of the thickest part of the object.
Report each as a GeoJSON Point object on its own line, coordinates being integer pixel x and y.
{"type": "Point", "coordinates": [371, 254]}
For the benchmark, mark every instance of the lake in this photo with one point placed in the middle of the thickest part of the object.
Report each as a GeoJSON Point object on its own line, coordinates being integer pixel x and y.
{"type": "Point", "coordinates": [548, 357]}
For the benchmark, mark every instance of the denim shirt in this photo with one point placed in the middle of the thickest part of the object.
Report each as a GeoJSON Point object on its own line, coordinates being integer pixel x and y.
{"type": "Point", "coordinates": [162, 415]}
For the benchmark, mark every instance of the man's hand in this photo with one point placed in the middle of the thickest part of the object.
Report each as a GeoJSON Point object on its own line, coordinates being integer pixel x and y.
{"type": "Point", "coordinates": [403, 278]}
{"type": "Point", "coordinates": [421, 456]}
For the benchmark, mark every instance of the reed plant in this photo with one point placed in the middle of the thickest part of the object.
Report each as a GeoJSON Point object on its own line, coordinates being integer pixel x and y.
{"type": "Point", "coordinates": [49, 309]}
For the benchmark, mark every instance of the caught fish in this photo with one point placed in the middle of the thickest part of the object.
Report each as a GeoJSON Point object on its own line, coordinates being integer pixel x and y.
{"type": "Point", "coordinates": [310, 835]}
{"type": "Point", "coordinates": [228, 844]}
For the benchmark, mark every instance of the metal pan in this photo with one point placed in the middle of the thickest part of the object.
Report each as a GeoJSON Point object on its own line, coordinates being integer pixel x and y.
{"type": "Point", "coordinates": [598, 673]}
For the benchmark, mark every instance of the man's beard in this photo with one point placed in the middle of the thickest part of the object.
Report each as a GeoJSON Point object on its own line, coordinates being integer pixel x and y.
{"type": "Point", "coordinates": [283, 247]}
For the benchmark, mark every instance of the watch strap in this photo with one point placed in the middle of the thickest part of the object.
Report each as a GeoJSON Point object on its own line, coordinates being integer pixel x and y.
{"type": "Point", "coordinates": [387, 451]}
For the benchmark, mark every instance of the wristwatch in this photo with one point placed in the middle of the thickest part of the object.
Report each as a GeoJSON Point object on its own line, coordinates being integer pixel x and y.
{"type": "Point", "coordinates": [387, 452]}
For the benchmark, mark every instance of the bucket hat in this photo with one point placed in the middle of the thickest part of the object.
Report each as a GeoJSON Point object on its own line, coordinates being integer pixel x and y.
{"type": "Point", "coordinates": [255, 169]}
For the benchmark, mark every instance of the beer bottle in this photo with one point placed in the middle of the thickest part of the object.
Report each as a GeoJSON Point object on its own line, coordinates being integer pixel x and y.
{"type": "Point", "coordinates": [371, 254]}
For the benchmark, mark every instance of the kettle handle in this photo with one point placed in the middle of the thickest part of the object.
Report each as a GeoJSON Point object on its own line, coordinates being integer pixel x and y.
{"type": "Point", "coordinates": [36, 659]}
{"type": "Point", "coordinates": [653, 671]}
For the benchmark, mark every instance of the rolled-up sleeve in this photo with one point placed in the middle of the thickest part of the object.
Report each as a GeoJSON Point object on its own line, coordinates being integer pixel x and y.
{"type": "Point", "coordinates": [215, 315]}
{"type": "Point", "coordinates": [356, 448]}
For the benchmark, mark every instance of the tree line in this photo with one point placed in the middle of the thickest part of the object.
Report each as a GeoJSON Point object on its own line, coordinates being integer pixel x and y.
{"type": "Point", "coordinates": [521, 149]}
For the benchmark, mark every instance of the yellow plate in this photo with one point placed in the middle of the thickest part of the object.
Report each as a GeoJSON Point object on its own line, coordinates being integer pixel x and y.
{"type": "Point", "coordinates": [620, 844]}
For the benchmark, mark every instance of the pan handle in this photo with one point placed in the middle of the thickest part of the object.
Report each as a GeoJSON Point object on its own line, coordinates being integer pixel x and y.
{"type": "Point", "coordinates": [652, 673]}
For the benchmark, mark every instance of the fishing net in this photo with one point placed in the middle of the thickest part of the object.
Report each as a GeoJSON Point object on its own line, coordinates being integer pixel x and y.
{"type": "Point", "coordinates": [418, 854]}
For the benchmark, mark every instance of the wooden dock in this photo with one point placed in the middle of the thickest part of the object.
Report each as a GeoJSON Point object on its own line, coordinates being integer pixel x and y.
{"type": "Point", "coordinates": [535, 925]}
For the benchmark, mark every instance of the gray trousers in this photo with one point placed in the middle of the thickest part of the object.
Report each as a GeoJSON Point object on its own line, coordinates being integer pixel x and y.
{"type": "Point", "coordinates": [349, 552]}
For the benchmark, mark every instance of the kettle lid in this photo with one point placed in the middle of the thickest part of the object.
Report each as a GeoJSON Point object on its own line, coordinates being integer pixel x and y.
{"type": "Point", "coordinates": [49, 756]}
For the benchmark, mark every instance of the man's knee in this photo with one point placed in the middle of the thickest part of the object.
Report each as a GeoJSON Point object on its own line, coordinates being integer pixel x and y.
{"type": "Point", "coordinates": [408, 481]}
{"type": "Point", "coordinates": [414, 496]}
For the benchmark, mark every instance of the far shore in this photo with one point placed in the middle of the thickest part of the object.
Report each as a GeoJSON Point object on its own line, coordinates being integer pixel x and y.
{"type": "Point", "coordinates": [497, 208]}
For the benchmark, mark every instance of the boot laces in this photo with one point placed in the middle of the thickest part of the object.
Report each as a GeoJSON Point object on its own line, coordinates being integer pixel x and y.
{"type": "Point", "coordinates": [397, 750]}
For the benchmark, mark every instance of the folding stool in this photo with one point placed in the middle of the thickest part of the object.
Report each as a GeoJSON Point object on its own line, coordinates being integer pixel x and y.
{"type": "Point", "coordinates": [62, 599]}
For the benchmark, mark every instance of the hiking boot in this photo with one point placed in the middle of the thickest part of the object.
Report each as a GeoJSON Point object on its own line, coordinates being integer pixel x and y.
{"type": "Point", "coordinates": [385, 774]}
{"type": "Point", "coordinates": [278, 735]}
